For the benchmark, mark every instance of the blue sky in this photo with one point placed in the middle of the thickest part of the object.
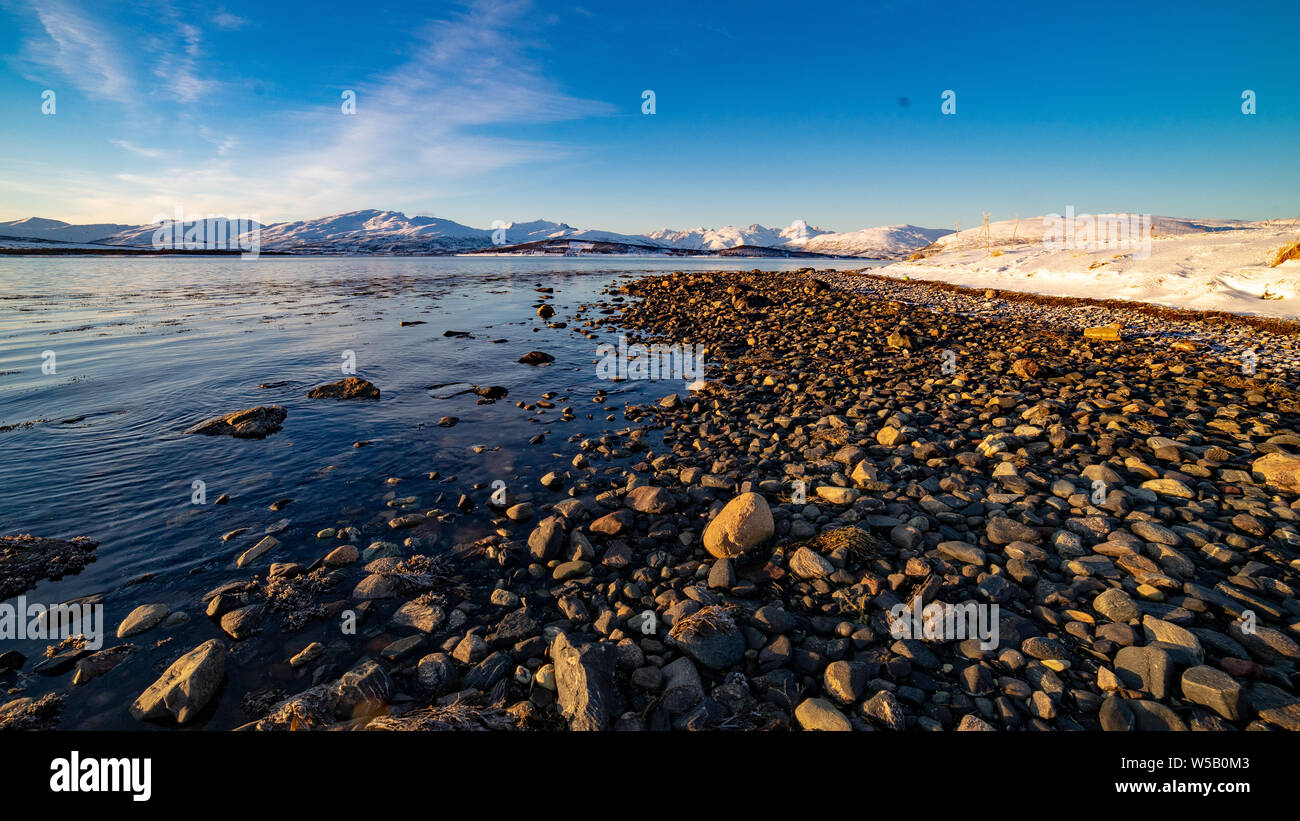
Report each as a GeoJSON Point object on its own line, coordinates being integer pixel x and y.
{"type": "Point", "coordinates": [765, 112]}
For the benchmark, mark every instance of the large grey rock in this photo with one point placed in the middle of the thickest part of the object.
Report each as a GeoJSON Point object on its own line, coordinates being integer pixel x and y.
{"type": "Point", "coordinates": [184, 688]}
{"type": "Point", "coordinates": [682, 688]}
{"type": "Point", "coordinates": [1213, 688]}
{"type": "Point", "coordinates": [545, 540]}
{"type": "Point", "coordinates": [1117, 606]}
{"type": "Point", "coordinates": [711, 637]}
{"type": "Point", "coordinates": [1144, 668]}
{"type": "Point", "coordinates": [1170, 633]}
{"type": "Point", "coordinates": [845, 681]}
{"type": "Point", "coordinates": [1265, 644]}
{"type": "Point", "coordinates": [584, 682]}
{"type": "Point", "coordinates": [1152, 716]}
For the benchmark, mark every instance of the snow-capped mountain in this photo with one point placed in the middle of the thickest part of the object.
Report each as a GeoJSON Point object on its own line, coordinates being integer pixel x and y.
{"type": "Point", "coordinates": [392, 232]}
{"type": "Point", "coordinates": [718, 239]}
{"type": "Point", "coordinates": [886, 242]}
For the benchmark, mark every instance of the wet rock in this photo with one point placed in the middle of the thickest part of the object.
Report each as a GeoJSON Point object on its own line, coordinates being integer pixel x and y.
{"type": "Point", "coordinates": [97, 664]}
{"type": "Point", "coordinates": [26, 560]}
{"type": "Point", "coordinates": [418, 615]}
{"type": "Point", "coordinates": [253, 423]}
{"type": "Point", "coordinates": [11, 660]}
{"type": "Point", "coordinates": [143, 618]}
{"type": "Point", "coordinates": [353, 387]}
{"type": "Point", "coordinates": [243, 622]}
{"type": "Point", "coordinates": [256, 552]}
{"type": "Point", "coordinates": [185, 688]}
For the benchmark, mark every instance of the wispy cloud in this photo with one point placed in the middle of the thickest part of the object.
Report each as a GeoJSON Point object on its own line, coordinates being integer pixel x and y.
{"type": "Point", "coordinates": [81, 45]}
{"type": "Point", "coordinates": [226, 21]}
{"type": "Point", "coordinates": [127, 145]}
{"type": "Point", "coordinates": [424, 128]}
{"type": "Point", "coordinates": [78, 49]}
{"type": "Point", "coordinates": [176, 64]}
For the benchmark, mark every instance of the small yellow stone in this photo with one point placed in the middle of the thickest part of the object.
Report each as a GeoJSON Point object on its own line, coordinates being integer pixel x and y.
{"type": "Point", "coordinates": [1150, 593]}
{"type": "Point", "coordinates": [1059, 665]}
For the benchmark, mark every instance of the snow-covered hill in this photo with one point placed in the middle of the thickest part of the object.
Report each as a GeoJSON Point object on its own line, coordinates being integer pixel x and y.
{"type": "Point", "coordinates": [1199, 264]}
{"type": "Point", "coordinates": [57, 230]}
{"type": "Point", "coordinates": [1031, 230]}
{"type": "Point", "coordinates": [886, 242]}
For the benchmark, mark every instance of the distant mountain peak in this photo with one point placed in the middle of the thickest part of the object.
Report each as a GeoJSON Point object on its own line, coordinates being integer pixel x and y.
{"type": "Point", "coordinates": [374, 230]}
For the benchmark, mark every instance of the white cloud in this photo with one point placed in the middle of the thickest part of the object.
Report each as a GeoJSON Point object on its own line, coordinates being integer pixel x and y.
{"type": "Point", "coordinates": [127, 145]}
{"type": "Point", "coordinates": [226, 21]}
{"type": "Point", "coordinates": [80, 50]}
{"type": "Point", "coordinates": [113, 62]}
{"type": "Point", "coordinates": [417, 134]}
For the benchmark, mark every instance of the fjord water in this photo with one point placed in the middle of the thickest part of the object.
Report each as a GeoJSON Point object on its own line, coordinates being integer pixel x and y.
{"type": "Point", "coordinates": [146, 347]}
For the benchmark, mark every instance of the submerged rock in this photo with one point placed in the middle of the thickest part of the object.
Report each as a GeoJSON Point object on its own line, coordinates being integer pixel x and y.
{"type": "Point", "coordinates": [26, 560]}
{"type": "Point", "coordinates": [353, 387]}
{"type": "Point", "coordinates": [253, 423]}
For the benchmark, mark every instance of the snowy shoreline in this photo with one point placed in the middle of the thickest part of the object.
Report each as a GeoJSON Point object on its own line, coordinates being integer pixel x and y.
{"type": "Point", "coordinates": [1217, 270]}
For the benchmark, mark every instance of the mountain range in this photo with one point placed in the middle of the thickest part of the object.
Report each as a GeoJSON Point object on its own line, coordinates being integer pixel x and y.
{"type": "Point", "coordinates": [392, 232]}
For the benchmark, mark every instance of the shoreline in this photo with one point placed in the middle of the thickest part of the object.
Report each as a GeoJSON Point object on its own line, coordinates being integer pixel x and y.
{"type": "Point", "coordinates": [969, 486]}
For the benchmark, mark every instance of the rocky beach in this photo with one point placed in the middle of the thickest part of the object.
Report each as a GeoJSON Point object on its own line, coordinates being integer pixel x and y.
{"type": "Point", "coordinates": [1114, 485]}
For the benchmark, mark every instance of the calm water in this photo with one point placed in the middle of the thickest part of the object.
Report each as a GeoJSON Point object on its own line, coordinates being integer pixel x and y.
{"type": "Point", "coordinates": [144, 348]}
